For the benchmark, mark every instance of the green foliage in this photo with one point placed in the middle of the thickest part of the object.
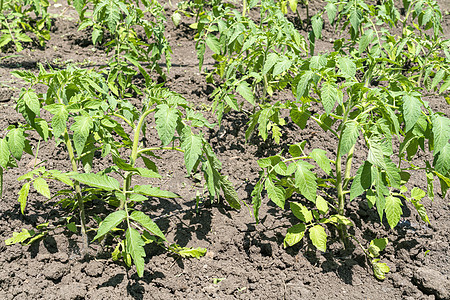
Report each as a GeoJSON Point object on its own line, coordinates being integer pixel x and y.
{"type": "Point", "coordinates": [117, 24]}
{"type": "Point", "coordinates": [23, 21]}
{"type": "Point", "coordinates": [368, 93]}
{"type": "Point", "coordinates": [88, 118]}
{"type": "Point", "coordinates": [253, 60]}
{"type": "Point", "coordinates": [382, 77]}
{"type": "Point", "coordinates": [185, 252]}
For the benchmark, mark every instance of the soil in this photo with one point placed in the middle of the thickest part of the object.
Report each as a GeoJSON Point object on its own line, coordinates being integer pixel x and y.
{"type": "Point", "coordinates": [245, 260]}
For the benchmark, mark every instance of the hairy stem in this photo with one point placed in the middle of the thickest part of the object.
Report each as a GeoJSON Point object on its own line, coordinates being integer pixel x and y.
{"type": "Point", "coordinates": [348, 167]}
{"type": "Point", "coordinates": [340, 178]}
{"type": "Point", "coordinates": [69, 146]}
{"type": "Point", "coordinates": [133, 157]}
{"type": "Point", "coordinates": [342, 230]}
{"type": "Point", "coordinates": [159, 148]}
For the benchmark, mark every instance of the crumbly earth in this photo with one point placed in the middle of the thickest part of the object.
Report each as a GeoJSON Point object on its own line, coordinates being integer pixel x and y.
{"type": "Point", "coordinates": [245, 260]}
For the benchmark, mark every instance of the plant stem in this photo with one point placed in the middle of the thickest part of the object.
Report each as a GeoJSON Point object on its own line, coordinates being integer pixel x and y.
{"type": "Point", "coordinates": [133, 156]}
{"type": "Point", "coordinates": [159, 148]}
{"type": "Point", "coordinates": [69, 146]}
{"type": "Point", "coordinates": [342, 230]}
{"type": "Point", "coordinates": [340, 186]}
{"type": "Point", "coordinates": [348, 167]}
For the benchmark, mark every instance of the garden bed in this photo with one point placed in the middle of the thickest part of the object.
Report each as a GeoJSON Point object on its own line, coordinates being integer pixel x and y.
{"type": "Point", "coordinates": [244, 259]}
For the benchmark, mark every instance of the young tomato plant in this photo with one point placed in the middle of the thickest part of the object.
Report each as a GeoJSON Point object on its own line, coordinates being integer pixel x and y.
{"type": "Point", "coordinates": [88, 118]}
{"type": "Point", "coordinates": [294, 6]}
{"type": "Point", "coordinates": [123, 21]}
{"type": "Point", "coordinates": [370, 111]}
{"type": "Point", "coordinates": [16, 22]}
{"type": "Point", "coordinates": [254, 59]}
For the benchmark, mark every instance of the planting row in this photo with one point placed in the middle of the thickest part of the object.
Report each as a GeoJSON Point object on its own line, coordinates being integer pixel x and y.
{"type": "Point", "coordinates": [368, 92]}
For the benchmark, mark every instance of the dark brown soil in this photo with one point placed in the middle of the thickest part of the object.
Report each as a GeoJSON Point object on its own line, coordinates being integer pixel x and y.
{"type": "Point", "coordinates": [245, 260]}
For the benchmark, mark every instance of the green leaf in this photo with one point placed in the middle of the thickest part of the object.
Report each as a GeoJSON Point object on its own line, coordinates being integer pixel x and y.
{"type": "Point", "coordinates": [31, 101]}
{"type": "Point", "coordinates": [256, 199]}
{"type": "Point", "coordinates": [331, 10]}
{"type": "Point", "coordinates": [441, 132]}
{"type": "Point", "coordinates": [347, 67]}
{"type": "Point", "coordinates": [375, 155]}
{"type": "Point", "coordinates": [187, 252]}
{"type": "Point", "coordinates": [301, 212]}
{"type": "Point", "coordinates": [318, 62]}
{"type": "Point", "coordinates": [152, 191]}
{"type": "Point", "coordinates": [4, 153]}
{"type": "Point", "coordinates": [100, 181]}
{"type": "Point", "coordinates": [147, 223]}
{"type": "Point", "coordinates": [135, 247]}
{"type": "Point", "coordinates": [20, 36]}
{"type": "Point", "coordinates": [293, 5]}
{"type": "Point", "coordinates": [303, 84]}
{"type": "Point", "coordinates": [379, 269]}
{"type": "Point", "coordinates": [299, 117]}
{"type": "Point", "coordinates": [321, 204]}
{"type": "Point", "coordinates": [376, 246]}
{"type": "Point", "coordinates": [166, 122]}
{"type": "Point", "coordinates": [56, 174]}
{"type": "Point", "coordinates": [437, 78]}
{"type": "Point", "coordinates": [283, 64]}
{"type": "Point", "coordinates": [79, 5]}
{"type": "Point", "coordinates": [41, 127]}
{"type": "Point", "coordinates": [393, 173]}
{"type": "Point", "coordinates": [23, 196]}
{"type": "Point", "coordinates": [81, 128]}
{"type": "Point", "coordinates": [110, 222]}
{"type": "Point", "coordinates": [144, 172]}
{"type": "Point", "coordinates": [319, 155]}
{"type": "Point", "coordinates": [60, 115]}
{"type": "Point", "coordinates": [109, 11]}
{"type": "Point", "coordinates": [72, 227]}
{"type": "Point", "coordinates": [192, 146]}
{"type": "Point", "coordinates": [276, 194]}
{"type": "Point", "coordinates": [442, 160]}
{"type": "Point", "coordinates": [430, 185]}
{"type": "Point", "coordinates": [393, 210]}
{"type": "Point", "coordinates": [417, 193]}
{"type": "Point", "coordinates": [363, 180]}
{"type": "Point", "coordinates": [296, 150]}
{"type": "Point", "coordinates": [349, 137]}
{"type": "Point", "coordinates": [19, 237]}
{"type": "Point", "coordinates": [305, 180]}
{"type": "Point", "coordinates": [318, 237]}
{"type": "Point", "coordinates": [421, 210]}
{"type": "Point", "coordinates": [444, 181]}
{"type": "Point", "coordinates": [192, 252]}
{"type": "Point", "coordinates": [411, 111]}
{"type": "Point", "coordinates": [271, 60]}
{"type": "Point", "coordinates": [230, 100]}
{"type": "Point", "coordinates": [16, 142]}
{"type": "Point", "coordinates": [294, 235]}
{"type": "Point", "coordinates": [229, 192]}
{"type": "Point", "coordinates": [338, 219]}
{"type": "Point", "coordinates": [42, 187]}
{"type": "Point", "coordinates": [445, 86]}
{"type": "Point", "coordinates": [245, 90]}
{"type": "Point", "coordinates": [213, 43]}
{"type": "Point", "coordinates": [365, 41]}
{"type": "Point", "coordinates": [329, 96]}
{"type": "Point", "coordinates": [176, 18]}
{"type": "Point", "coordinates": [317, 25]}
{"type": "Point", "coordinates": [355, 19]}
